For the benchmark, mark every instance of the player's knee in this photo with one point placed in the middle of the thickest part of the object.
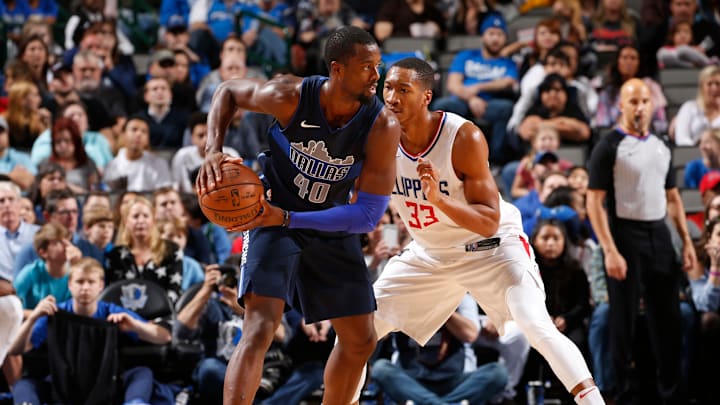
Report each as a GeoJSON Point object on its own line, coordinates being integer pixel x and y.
{"type": "Point", "coordinates": [359, 346]}
{"type": "Point", "coordinates": [258, 335]}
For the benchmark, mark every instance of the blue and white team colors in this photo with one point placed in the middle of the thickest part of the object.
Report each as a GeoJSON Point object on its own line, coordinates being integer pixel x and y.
{"type": "Point", "coordinates": [323, 162]}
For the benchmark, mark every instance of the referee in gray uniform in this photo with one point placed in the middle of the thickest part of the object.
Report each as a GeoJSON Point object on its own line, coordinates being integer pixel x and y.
{"type": "Point", "coordinates": [630, 171]}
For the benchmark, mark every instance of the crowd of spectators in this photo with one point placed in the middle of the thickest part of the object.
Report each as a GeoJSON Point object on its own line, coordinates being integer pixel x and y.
{"type": "Point", "coordinates": [99, 149]}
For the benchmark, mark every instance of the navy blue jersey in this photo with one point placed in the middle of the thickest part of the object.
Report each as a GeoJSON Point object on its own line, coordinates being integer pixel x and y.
{"type": "Point", "coordinates": [311, 165]}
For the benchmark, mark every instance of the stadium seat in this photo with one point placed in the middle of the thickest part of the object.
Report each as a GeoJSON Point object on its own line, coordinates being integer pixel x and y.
{"type": "Point", "coordinates": [150, 301]}
{"type": "Point", "coordinates": [522, 27]}
{"type": "Point", "coordinates": [680, 177]}
{"type": "Point", "coordinates": [574, 154]}
{"type": "Point", "coordinates": [461, 42]}
{"type": "Point", "coordinates": [679, 77]}
{"type": "Point", "coordinates": [445, 60]}
{"type": "Point", "coordinates": [692, 200]}
{"type": "Point", "coordinates": [681, 155]}
{"type": "Point", "coordinates": [676, 95]}
{"type": "Point", "coordinates": [410, 44]}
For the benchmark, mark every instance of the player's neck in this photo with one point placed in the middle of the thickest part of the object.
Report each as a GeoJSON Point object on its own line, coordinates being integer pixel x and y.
{"type": "Point", "coordinates": [337, 106]}
{"type": "Point", "coordinates": [420, 131]}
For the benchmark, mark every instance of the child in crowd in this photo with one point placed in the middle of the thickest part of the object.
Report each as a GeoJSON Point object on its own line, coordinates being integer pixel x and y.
{"type": "Point", "coordinates": [99, 226]}
{"type": "Point", "coordinates": [679, 51]}
{"type": "Point", "coordinates": [541, 159]}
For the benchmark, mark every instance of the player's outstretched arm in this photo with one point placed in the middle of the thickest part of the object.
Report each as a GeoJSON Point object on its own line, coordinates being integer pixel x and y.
{"type": "Point", "coordinates": [470, 161]}
{"type": "Point", "coordinates": [374, 185]}
{"type": "Point", "coordinates": [277, 97]}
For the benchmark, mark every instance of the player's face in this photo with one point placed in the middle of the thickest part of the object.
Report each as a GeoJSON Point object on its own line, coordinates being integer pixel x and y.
{"type": "Point", "coordinates": [85, 286]}
{"type": "Point", "coordinates": [549, 242]}
{"type": "Point", "coordinates": [360, 73]}
{"type": "Point", "coordinates": [404, 95]}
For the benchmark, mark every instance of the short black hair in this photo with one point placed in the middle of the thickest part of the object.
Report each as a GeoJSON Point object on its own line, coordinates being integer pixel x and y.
{"type": "Point", "coordinates": [424, 73]}
{"type": "Point", "coordinates": [196, 118]}
{"type": "Point", "coordinates": [136, 117]}
{"type": "Point", "coordinates": [341, 43]}
{"type": "Point", "coordinates": [557, 53]}
{"type": "Point", "coordinates": [54, 197]}
{"type": "Point", "coordinates": [550, 80]}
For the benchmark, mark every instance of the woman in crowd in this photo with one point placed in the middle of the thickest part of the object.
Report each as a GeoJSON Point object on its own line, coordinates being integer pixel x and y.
{"type": "Point", "coordinates": [140, 252]}
{"type": "Point", "coordinates": [68, 151]}
{"type": "Point", "coordinates": [34, 51]}
{"type": "Point", "coordinates": [96, 145]}
{"type": "Point", "coordinates": [24, 116]}
{"type": "Point", "coordinates": [696, 116]}
{"type": "Point", "coordinates": [547, 35]}
{"type": "Point", "coordinates": [627, 66]}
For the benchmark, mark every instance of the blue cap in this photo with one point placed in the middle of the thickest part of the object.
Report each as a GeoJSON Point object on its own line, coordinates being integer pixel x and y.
{"type": "Point", "coordinates": [545, 157]}
{"type": "Point", "coordinates": [493, 21]}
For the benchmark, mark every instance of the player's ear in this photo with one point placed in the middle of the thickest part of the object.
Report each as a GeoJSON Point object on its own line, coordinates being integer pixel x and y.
{"type": "Point", "coordinates": [336, 67]}
{"type": "Point", "coordinates": [428, 96]}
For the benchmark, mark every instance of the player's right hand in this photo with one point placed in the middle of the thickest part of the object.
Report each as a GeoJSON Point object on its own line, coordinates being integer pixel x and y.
{"type": "Point", "coordinates": [210, 173]}
{"type": "Point", "coordinates": [615, 265]}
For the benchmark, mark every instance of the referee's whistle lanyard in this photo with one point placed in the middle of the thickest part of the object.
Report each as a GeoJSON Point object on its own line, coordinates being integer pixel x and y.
{"type": "Point", "coordinates": [639, 137]}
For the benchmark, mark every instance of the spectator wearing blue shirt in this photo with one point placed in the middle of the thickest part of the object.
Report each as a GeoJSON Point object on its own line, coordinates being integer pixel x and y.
{"type": "Point", "coordinates": [14, 232]}
{"type": "Point", "coordinates": [15, 164]}
{"type": "Point", "coordinates": [61, 207]}
{"type": "Point", "coordinates": [48, 274]}
{"type": "Point", "coordinates": [482, 85]}
{"type": "Point", "coordinates": [709, 158]}
{"type": "Point", "coordinates": [45, 10]}
{"type": "Point", "coordinates": [86, 282]}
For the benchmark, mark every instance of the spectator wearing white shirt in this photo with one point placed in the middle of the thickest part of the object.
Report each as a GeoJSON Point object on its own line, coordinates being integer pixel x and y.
{"type": "Point", "coordinates": [697, 116]}
{"type": "Point", "coordinates": [135, 168]}
{"type": "Point", "coordinates": [189, 158]}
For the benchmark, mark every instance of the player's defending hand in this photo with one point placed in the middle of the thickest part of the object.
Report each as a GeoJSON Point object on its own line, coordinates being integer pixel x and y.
{"type": "Point", "coordinates": [429, 180]}
{"type": "Point", "coordinates": [270, 215]}
{"type": "Point", "coordinates": [210, 173]}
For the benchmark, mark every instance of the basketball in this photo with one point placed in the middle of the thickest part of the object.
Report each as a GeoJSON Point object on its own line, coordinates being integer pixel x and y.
{"type": "Point", "coordinates": [235, 200]}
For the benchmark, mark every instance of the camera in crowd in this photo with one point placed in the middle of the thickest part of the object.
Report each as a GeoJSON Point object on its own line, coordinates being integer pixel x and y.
{"type": "Point", "coordinates": [228, 276]}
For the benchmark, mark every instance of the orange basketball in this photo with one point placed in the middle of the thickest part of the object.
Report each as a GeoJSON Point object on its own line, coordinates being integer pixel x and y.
{"type": "Point", "coordinates": [235, 200]}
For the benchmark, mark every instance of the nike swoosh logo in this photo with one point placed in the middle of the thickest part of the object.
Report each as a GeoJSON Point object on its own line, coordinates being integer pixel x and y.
{"type": "Point", "coordinates": [306, 125]}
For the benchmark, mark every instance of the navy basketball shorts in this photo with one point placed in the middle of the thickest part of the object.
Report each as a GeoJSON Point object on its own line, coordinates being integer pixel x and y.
{"type": "Point", "coordinates": [322, 275]}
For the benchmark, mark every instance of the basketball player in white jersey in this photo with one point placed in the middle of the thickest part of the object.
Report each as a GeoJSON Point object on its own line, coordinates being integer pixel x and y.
{"type": "Point", "coordinates": [465, 237]}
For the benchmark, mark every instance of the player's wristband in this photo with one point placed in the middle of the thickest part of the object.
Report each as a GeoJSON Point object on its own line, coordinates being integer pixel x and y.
{"type": "Point", "coordinates": [715, 273]}
{"type": "Point", "coordinates": [286, 218]}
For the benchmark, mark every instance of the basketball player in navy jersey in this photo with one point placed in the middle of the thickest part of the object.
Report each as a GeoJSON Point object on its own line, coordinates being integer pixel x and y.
{"type": "Point", "coordinates": [332, 136]}
{"type": "Point", "coordinates": [465, 237]}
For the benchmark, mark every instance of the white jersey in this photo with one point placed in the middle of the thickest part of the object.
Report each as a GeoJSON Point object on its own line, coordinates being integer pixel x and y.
{"type": "Point", "coordinates": [427, 224]}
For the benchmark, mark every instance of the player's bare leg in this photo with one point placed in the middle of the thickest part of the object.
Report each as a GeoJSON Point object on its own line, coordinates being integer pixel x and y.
{"type": "Point", "coordinates": [242, 378]}
{"type": "Point", "coordinates": [356, 342]}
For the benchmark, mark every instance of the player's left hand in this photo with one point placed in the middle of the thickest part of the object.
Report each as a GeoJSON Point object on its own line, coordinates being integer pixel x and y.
{"type": "Point", "coordinates": [429, 180]}
{"type": "Point", "coordinates": [270, 215]}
